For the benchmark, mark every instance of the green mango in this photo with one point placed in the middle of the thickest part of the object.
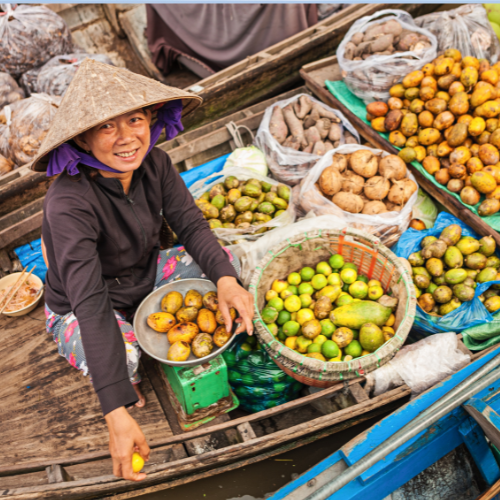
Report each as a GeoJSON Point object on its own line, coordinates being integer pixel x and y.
{"type": "Point", "coordinates": [463, 292]}
{"type": "Point", "coordinates": [468, 245]}
{"type": "Point", "coordinates": [487, 245]}
{"type": "Point", "coordinates": [205, 196]}
{"type": "Point", "coordinates": [228, 225]}
{"type": "Point", "coordinates": [252, 190]}
{"type": "Point", "coordinates": [435, 266]}
{"type": "Point", "coordinates": [269, 314]}
{"type": "Point", "coordinates": [219, 202]}
{"type": "Point", "coordinates": [493, 261]}
{"type": "Point", "coordinates": [453, 258]}
{"type": "Point", "coordinates": [451, 235]}
{"type": "Point", "coordinates": [472, 273]}
{"type": "Point", "coordinates": [214, 223]}
{"type": "Point", "coordinates": [487, 274]}
{"type": "Point", "coordinates": [231, 182]}
{"type": "Point", "coordinates": [490, 293]}
{"type": "Point", "coordinates": [421, 281]}
{"type": "Point", "coordinates": [279, 212]}
{"type": "Point", "coordinates": [266, 208]}
{"type": "Point", "coordinates": [254, 205]}
{"type": "Point", "coordinates": [266, 187]}
{"type": "Point", "coordinates": [416, 260]}
{"type": "Point", "coordinates": [492, 304]}
{"type": "Point", "coordinates": [431, 288]}
{"type": "Point", "coordinates": [470, 282]}
{"type": "Point", "coordinates": [280, 204]}
{"type": "Point", "coordinates": [244, 217]}
{"type": "Point", "coordinates": [270, 197]}
{"type": "Point", "coordinates": [439, 280]}
{"type": "Point", "coordinates": [209, 211]}
{"type": "Point", "coordinates": [217, 189]}
{"type": "Point", "coordinates": [442, 294]}
{"type": "Point", "coordinates": [233, 196]}
{"type": "Point", "coordinates": [475, 261]}
{"type": "Point", "coordinates": [284, 192]}
{"type": "Point", "coordinates": [427, 241]}
{"type": "Point", "coordinates": [243, 204]}
{"type": "Point", "coordinates": [356, 314]}
{"type": "Point", "coordinates": [227, 214]}
{"type": "Point", "coordinates": [450, 306]}
{"type": "Point", "coordinates": [455, 276]}
{"type": "Point", "coordinates": [421, 271]}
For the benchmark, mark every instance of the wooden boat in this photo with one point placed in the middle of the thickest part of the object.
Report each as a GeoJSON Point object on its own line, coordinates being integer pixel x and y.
{"type": "Point", "coordinates": [315, 74]}
{"type": "Point", "coordinates": [426, 466]}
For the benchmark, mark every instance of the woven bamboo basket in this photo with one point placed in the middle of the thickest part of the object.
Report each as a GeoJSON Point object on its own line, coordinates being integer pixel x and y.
{"type": "Point", "coordinates": [373, 260]}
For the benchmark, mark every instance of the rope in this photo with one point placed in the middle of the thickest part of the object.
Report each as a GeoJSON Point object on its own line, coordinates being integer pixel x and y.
{"type": "Point", "coordinates": [233, 129]}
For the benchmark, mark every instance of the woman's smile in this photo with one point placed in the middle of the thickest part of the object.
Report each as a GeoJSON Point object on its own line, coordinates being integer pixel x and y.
{"type": "Point", "coordinates": [127, 155]}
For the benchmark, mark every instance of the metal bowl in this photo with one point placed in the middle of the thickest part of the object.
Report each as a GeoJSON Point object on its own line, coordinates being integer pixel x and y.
{"type": "Point", "coordinates": [156, 344]}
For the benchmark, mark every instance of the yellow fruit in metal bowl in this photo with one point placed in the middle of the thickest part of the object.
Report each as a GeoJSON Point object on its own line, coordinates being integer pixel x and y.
{"type": "Point", "coordinates": [179, 351]}
{"type": "Point", "coordinates": [161, 322]}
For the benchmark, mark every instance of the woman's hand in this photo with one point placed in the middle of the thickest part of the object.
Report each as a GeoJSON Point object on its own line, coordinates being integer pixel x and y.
{"type": "Point", "coordinates": [125, 437]}
{"type": "Point", "coordinates": [231, 294]}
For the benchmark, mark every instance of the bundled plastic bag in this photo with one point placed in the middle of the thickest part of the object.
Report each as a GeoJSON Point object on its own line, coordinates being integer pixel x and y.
{"type": "Point", "coordinates": [425, 209]}
{"type": "Point", "coordinates": [29, 37]}
{"type": "Point", "coordinates": [28, 126]}
{"type": "Point", "coordinates": [257, 381]}
{"type": "Point", "coordinates": [249, 157]}
{"type": "Point", "coordinates": [54, 76]}
{"type": "Point", "coordinates": [466, 28]}
{"type": "Point", "coordinates": [419, 365]}
{"type": "Point", "coordinates": [9, 90]}
{"type": "Point", "coordinates": [286, 163]}
{"type": "Point", "coordinates": [253, 232]}
{"type": "Point", "coordinates": [371, 79]}
{"type": "Point", "coordinates": [469, 314]}
{"type": "Point", "coordinates": [386, 226]}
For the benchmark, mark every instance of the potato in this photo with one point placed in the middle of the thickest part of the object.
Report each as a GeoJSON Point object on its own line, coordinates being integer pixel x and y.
{"type": "Point", "coordinates": [330, 181]}
{"type": "Point", "coordinates": [483, 182]}
{"type": "Point", "coordinates": [349, 202]}
{"type": "Point", "coordinates": [455, 185]}
{"type": "Point", "coordinates": [488, 207]}
{"type": "Point", "coordinates": [364, 163]}
{"type": "Point", "coordinates": [469, 195]}
{"type": "Point", "coordinates": [488, 154]}
{"type": "Point", "coordinates": [465, 119]}
{"type": "Point", "coordinates": [444, 149]}
{"type": "Point", "coordinates": [425, 119]}
{"type": "Point", "coordinates": [412, 142]}
{"type": "Point", "coordinates": [460, 155]}
{"type": "Point", "coordinates": [322, 307]}
{"type": "Point", "coordinates": [374, 207]}
{"type": "Point", "coordinates": [427, 93]}
{"type": "Point", "coordinates": [457, 135]}
{"type": "Point", "coordinates": [442, 176]}
{"type": "Point", "coordinates": [203, 344]}
{"type": "Point", "coordinates": [431, 164]}
{"type": "Point", "coordinates": [401, 191]}
{"type": "Point", "coordinates": [377, 187]}
{"type": "Point", "coordinates": [474, 165]}
{"type": "Point", "coordinates": [494, 171]}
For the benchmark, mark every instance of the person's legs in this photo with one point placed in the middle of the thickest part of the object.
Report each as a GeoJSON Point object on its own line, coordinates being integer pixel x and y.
{"type": "Point", "coordinates": [175, 264]}
{"type": "Point", "coordinates": [66, 333]}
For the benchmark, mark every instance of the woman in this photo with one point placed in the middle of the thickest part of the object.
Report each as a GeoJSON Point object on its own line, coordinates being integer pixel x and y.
{"type": "Point", "coordinates": [101, 230]}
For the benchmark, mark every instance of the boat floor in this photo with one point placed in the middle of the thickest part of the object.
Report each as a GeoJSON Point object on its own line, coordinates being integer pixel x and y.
{"type": "Point", "coordinates": [49, 409]}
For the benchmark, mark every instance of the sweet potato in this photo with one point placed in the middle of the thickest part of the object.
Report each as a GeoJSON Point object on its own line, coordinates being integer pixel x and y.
{"type": "Point", "coordinates": [294, 125]}
{"type": "Point", "coordinates": [374, 31]}
{"type": "Point", "coordinates": [350, 51]}
{"type": "Point", "coordinates": [335, 132]}
{"type": "Point", "coordinates": [357, 38]}
{"type": "Point", "coordinates": [324, 113]}
{"type": "Point", "coordinates": [319, 148]}
{"type": "Point", "coordinates": [309, 122]}
{"type": "Point", "coordinates": [381, 44]}
{"type": "Point", "coordinates": [312, 135]}
{"type": "Point", "coordinates": [277, 125]}
{"type": "Point", "coordinates": [323, 125]}
{"type": "Point", "coordinates": [349, 138]}
{"type": "Point", "coordinates": [328, 146]}
{"type": "Point", "coordinates": [302, 106]}
{"type": "Point", "coordinates": [309, 148]}
{"type": "Point", "coordinates": [292, 142]}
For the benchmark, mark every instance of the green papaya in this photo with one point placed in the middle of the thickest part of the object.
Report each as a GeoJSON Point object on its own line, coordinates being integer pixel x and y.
{"type": "Point", "coordinates": [356, 314]}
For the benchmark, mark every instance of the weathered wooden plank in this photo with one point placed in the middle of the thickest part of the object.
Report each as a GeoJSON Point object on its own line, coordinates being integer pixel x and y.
{"type": "Point", "coordinates": [21, 214]}
{"type": "Point", "coordinates": [5, 262]}
{"type": "Point", "coordinates": [18, 230]}
{"type": "Point", "coordinates": [358, 393]}
{"type": "Point", "coordinates": [246, 432]}
{"type": "Point", "coordinates": [57, 474]}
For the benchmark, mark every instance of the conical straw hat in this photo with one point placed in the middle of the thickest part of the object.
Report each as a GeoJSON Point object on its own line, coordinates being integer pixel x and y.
{"type": "Point", "coordinates": [99, 92]}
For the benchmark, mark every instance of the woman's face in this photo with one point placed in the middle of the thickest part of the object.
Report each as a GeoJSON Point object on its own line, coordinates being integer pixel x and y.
{"type": "Point", "coordinates": [120, 143]}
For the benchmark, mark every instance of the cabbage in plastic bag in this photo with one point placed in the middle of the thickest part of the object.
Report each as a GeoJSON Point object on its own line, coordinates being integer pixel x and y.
{"type": "Point", "coordinates": [287, 164]}
{"type": "Point", "coordinates": [9, 90]}
{"type": "Point", "coordinates": [372, 78]}
{"type": "Point", "coordinates": [386, 226]}
{"type": "Point", "coordinates": [249, 157]}
{"type": "Point", "coordinates": [29, 37]}
{"type": "Point", "coordinates": [466, 28]}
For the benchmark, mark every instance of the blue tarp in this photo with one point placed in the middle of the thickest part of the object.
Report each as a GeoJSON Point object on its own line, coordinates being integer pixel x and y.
{"type": "Point", "coordinates": [203, 171]}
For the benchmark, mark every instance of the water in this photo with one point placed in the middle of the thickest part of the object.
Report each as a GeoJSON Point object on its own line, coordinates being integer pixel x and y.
{"type": "Point", "coordinates": [259, 480]}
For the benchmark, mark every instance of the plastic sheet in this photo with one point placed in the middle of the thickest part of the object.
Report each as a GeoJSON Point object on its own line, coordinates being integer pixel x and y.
{"type": "Point", "coordinates": [203, 171]}
{"type": "Point", "coordinates": [29, 37]}
{"type": "Point", "coordinates": [419, 365]}
{"type": "Point", "coordinates": [257, 381]}
{"type": "Point", "coordinates": [286, 164]}
{"type": "Point", "coordinates": [469, 314]}
{"type": "Point", "coordinates": [231, 236]}
{"type": "Point", "coordinates": [28, 127]}
{"type": "Point", "coordinates": [372, 78]}
{"type": "Point", "coordinates": [387, 226]}
{"type": "Point", "coordinates": [31, 255]}
{"type": "Point", "coordinates": [9, 90]}
{"type": "Point", "coordinates": [466, 28]}
{"type": "Point", "coordinates": [55, 75]}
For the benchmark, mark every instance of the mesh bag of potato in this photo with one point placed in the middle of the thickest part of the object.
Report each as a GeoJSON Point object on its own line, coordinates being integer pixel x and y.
{"type": "Point", "coordinates": [27, 127]}
{"type": "Point", "coordinates": [296, 132]}
{"type": "Point", "coordinates": [375, 54]}
{"type": "Point", "coordinates": [9, 90]}
{"type": "Point", "coordinates": [369, 189]}
{"type": "Point", "coordinates": [466, 29]}
{"type": "Point", "coordinates": [29, 37]}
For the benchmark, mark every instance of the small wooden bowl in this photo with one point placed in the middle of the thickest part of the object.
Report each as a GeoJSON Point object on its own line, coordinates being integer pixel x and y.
{"type": "Point", "coordinates": [9, 280]}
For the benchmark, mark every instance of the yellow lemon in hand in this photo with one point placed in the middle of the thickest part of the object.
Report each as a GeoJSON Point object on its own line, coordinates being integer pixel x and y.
{"type": "Point", "coordinates": [137, 462]}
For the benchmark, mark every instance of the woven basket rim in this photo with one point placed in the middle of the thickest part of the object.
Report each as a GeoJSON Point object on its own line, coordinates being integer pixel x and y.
{"type": "Point", "coordinates": [357, 366]}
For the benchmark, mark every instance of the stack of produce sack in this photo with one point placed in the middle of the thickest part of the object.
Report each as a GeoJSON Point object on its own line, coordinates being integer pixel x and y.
{"type": "Point", "coordinates": [370, 189]}
{"type": "Point", "coordinates": [375, 54]}
{"type": "Point", "coordinates": [241, 204]}
{"type": "Point", "coordinates": [445, 115]}
{"type": "Point", "coordinates": [255, 378]}
{"type": "Point", "coordinates": [296, 132]}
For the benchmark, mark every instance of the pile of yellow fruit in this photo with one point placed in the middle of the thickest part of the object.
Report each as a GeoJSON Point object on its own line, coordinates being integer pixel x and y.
{"type": "Point", "coordinates": [445, 116]}
{"type": "Point", "coordinates": [192, 323]}
{"type": "Point", "coordinates": [330, 313]}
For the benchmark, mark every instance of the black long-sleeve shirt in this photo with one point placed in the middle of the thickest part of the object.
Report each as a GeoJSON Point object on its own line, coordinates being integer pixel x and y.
{"type": "Point", "coordinates": [102, 248]}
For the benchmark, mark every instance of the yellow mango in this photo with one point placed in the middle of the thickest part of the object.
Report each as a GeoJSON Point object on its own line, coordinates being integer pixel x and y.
{"type": "Point", "coordinates": [444, 66]}
{"type": "Point", "coordinates": [489, 109]}
{"type": "Point", "coordinates": [477, 126]}
{"type": "Point", "coordinates": [397, 138]}
{"type": "Point", "coordinates": [428, 136]}
{"type": "Point", "coordinates": [459, 104]}
{"type": "Point", "coordinates": [490, 76]}
{"type": "Point", "coordinates": [460, 155]}
{"type": "Point", "coordinates": [413, 79]}
{"type": "Point", "coordinates": [470, 61]}
{"type": "Point", "coordinates": [469, 77]}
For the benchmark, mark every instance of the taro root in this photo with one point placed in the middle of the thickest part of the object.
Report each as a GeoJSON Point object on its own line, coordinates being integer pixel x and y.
{"type": "Point", "coordinates": [352, 183]}
{"type": "Point", "coordinates": [364, 163]}
{"type": "Point", "coordinates": [392, 167]}
{"type": "Point", "coordinates": [349, 202]}
{"type": "Point", "coordinates": [330, 181]}
{"type": "Point", "coordinates": [377, 188]}
{"type": "Point", "coordinates": [374, 207]}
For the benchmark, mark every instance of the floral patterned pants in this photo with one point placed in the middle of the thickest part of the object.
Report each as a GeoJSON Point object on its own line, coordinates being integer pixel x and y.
{"type": "Point", "coordinates": [173, 264]}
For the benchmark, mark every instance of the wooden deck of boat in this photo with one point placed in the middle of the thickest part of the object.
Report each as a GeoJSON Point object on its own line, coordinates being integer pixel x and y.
{"type": "Point", "coordinates": [49, 410]}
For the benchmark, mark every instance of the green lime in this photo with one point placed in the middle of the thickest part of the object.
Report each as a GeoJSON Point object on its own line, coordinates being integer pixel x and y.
{"type": "Point", "coordinates": [319, 281]}
{"type": "Point", "coordinates": [292, 304]}
{"type": "Point", "coordinates": [374, 283]}
{"type": "Point", "coordinates": [291, 328]}
{"type": "Point", "coordinates": [333, 280]}
{"type": "Point", "coordinates": [281, 335]}
{"type": "Point", "coordinates": [269, 314]}
{"type": "Point", "coordinates": [320, 339]}
{"type": "Point", "coordinates": [348, 275]}
{"type": "Point", "coordinates": [271, 294]}
{"type": "Point", "coordinates": [350, 265]}
{"type": "Point", "coordinates": [306, 288]}
{"type": "Point", "coordinates": [343, 300]}
{"type": "Point", "coordinates": [355, 334]}
{"type": "Point", "coordinates": [362, 278]}
{"type": "Point", "coordinates": [276, 303]}
{"type": "Point", "coordinates": [332, 292]}
{"type": "Point", "coordinates": [305, 299]}
{"type": "Point", "coordinates": [358, 290]}
{"type": "Point", "coordinates": [273, 328]}
{"type": "Point", "coordinates": [283, 317]}
{"type": "Point", "coordinates": [302, 344]}
{"type": "Point", "coordinates": [336, 261]}
{"type": "Point", "coordinates": [306, 273]}
{"type": "Point", "coordinates": [293, 289]}
{"type": "Point", "coordinates": [251, 340]}
{"type": "Point", "coordinates": [229, 358]}
{"type": "Point", "coordinates": [279, 285]}
{"type": "Point", "coordinates": [305, 315]}
{"type": "Point", "coordinates": [279, 387]}
{"type": "Point", "coordinates": [285, 294]}
{"type": "Point", "coordinates": [327, 328]}
{"type": "Point", "coordinates": [345, 288]}
{"type": "Point", "coordinates": [314, 348]}
{"type": "Point", "coordinates": [354, 349]}
{"type": "Point", "coordinates": [375, 292]}
{"type": "Point", "coordinates": [294, 279]}
{"type": "Point", "coordinates": [330, 349]}
{"type": "Point", "coordinates": [247, 379]}
{"type": "Point", "coordinates": [324, 268]}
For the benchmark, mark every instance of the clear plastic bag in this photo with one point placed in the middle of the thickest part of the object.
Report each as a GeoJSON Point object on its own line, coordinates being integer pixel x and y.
{"type": "Point", "coordinates": [6, 165]}
{"type": "Point", "coordinates": [387, 226]}
{"type": "Point", "coordinates": [231, 236]}
{"type": "Point", "coordinates": [419, 365]}
{"type": "Point", "coordinates": [372, 78]}
{"type": "Point", "coordinates": [54, 76]}
{"type": "Point", "coordinates": [287, 164]}
{"type": "Point", "coordinates": [257, 381]}
{"type": "Point", "coordinates": [28, 126]}
{"type": "Point", "coordinates": [466, 28]}
{"type": "Point", "coordinates": [29, 37]}
{"type": "Point", "coordinates": [9, 90]}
